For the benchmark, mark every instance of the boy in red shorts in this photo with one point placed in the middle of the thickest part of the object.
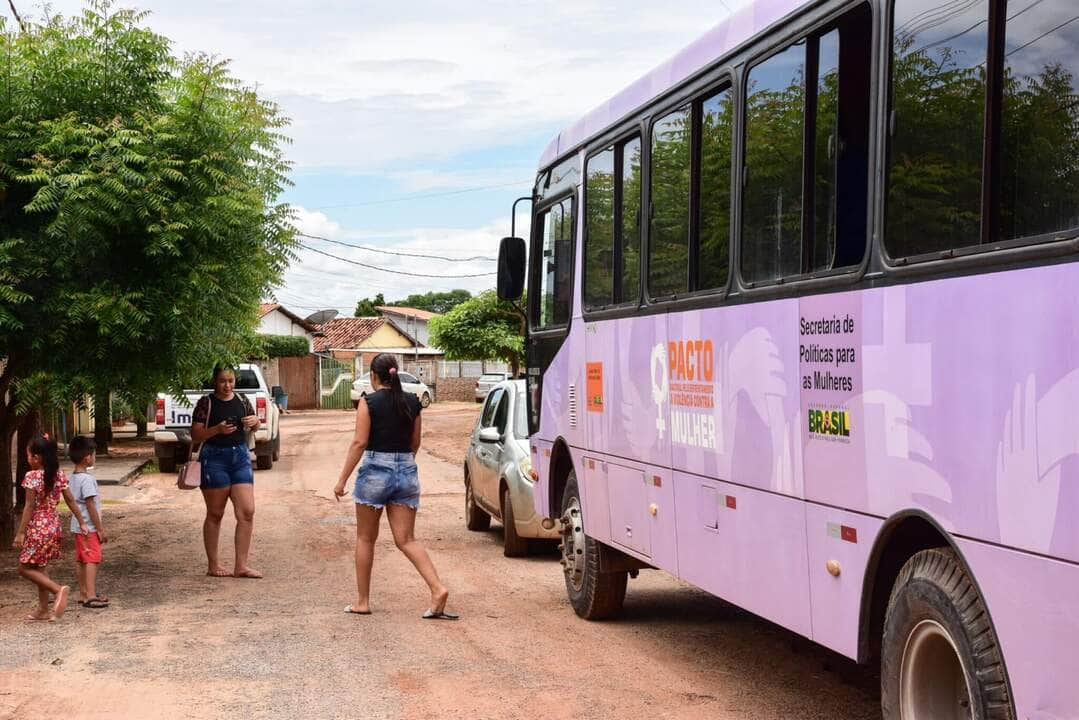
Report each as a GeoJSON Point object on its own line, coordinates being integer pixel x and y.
{"type": "Point", "coordinates": [88, 545]}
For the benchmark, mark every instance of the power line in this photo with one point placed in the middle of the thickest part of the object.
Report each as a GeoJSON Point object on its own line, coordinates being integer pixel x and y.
{"type": "Point", "coordinates": [393, 272]}
{"type": "Point", "coordinates": [406, 198]}
{"type": "Point", "coordinates": [479, 258]}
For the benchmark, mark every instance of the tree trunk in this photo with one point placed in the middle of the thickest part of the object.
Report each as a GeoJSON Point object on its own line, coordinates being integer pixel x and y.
{"type": "Point", "coordinates": [29, 426]}
{"type": "Point", "coordinates": [7, 507]}
{"type": "Point", "coordinates": [141, 420]}
{"type": "Point", "coordinates": [102, 422]}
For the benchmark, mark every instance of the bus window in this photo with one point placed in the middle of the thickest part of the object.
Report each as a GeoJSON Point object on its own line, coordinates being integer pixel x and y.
{"type": "Point", "coordinates": [668, 251]}
{"type": "Point", "coordinates": [807, 154]}
{"type": "Point", "coordinates": [630, 209]}
{"type": "Point", "coordinates": [1040, 129]}
{"type": "Point", "coordinates": [717, 116]}
{"type": "Point", "coordinates": [772, 203]}
{"type": "Point", "coordinates": [555, 270]}
{"type": "Point", "coordinates": [938, 106]}
{"type": "Point", "coordinates": [599, 237]}
{"type": "Point", "coordinates": [613, 225]}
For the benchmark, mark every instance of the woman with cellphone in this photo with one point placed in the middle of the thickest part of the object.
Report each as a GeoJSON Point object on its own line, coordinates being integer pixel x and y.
{"type": "Point", "coordinates": [219, 424]}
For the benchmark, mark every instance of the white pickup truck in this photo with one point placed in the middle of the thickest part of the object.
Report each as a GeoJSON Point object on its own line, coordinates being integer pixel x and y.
{"type": "Point", "coordinates": [172, 439]}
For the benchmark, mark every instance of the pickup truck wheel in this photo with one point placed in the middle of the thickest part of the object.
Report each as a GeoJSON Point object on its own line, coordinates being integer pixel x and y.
{"type": "Point", "coordinates": [277, 447]}
{"type": "Point", "coordinates": [594, 595]}
{"type": "Point", "coordinates": [264, 462]}
{"type": "Point", "coordinates": [355, 404]}
{"type": "Point", "coordinates": [166, 465]}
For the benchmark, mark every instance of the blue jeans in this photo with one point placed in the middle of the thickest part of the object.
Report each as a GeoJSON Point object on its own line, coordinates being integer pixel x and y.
{"type": "Point", "coordinates": [387, 478]}
{"type": "Point", "coordinates": [225, 466]}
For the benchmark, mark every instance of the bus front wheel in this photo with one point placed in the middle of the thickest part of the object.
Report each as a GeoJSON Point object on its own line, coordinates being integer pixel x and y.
{"type": "Point", "coordinates": [594, 595]}
{"type": "Point", "coordinates": [940, 658]}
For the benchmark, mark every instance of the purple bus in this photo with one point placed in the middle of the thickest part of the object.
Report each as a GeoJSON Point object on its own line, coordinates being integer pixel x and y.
{"type": "Point", "coordinates": [803, 332]}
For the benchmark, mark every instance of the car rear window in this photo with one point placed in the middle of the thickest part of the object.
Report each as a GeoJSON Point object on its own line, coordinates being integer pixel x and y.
{"type": "Point", "coordinates": [492, 377]}
{"type": "Point", "coordinates": [245, 380]}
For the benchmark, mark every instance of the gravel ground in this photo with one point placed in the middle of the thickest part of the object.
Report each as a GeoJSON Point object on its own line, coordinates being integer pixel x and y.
{"type": "Point", "coordinates": [178, 644]}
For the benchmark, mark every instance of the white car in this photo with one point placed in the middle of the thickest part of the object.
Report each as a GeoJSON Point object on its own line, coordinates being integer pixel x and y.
{"type": "Point", "coordinates": [409, 382]}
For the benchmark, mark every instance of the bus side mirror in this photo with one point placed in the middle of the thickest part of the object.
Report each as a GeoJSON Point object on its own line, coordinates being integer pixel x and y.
{"type": "Point", "coordinates": [511, 268]}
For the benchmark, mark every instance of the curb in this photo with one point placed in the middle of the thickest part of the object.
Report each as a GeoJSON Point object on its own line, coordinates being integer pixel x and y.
{"type": "Point", "coordinates": [129, 476]}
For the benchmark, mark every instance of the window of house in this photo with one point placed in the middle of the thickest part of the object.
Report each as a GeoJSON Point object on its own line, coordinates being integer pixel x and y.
{"type": "Point", "coordinates": [612, 233]}
{"type": "Point", "coordinates": [807, 154]}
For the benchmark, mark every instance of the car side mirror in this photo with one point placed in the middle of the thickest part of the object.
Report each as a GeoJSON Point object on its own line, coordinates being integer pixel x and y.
{"type": "Point", "coordinates": [490, 435]}
{"type": "Point", "coordinates": [511, 268]}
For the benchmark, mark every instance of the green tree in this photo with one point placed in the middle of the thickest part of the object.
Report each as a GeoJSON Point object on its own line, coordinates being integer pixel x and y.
{"type": "Point", "coordinates": [483, 328]}
{"type": "Point", "coordinates": [368, 307]}
{"type": "Point", "coordinates": [436, 302]}
{"type": "Point", "coordinates": [139, 222]}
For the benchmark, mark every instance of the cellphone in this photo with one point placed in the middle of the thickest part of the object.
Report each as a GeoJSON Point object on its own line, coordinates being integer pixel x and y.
{"type": "Point", "coordinates": [234, 421]}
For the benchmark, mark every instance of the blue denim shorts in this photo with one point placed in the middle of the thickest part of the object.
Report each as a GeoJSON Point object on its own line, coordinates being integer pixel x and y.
{"type": "Point", "coordinates": [224, 467]}
{"type": "Point", "coordinates": [387, 478]}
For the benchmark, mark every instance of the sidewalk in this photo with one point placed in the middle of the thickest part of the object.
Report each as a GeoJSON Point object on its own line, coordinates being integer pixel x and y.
{"type": "Point", "coordinates": [112, 470]}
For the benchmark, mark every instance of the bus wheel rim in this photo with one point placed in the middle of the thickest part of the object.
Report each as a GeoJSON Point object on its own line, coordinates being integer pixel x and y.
{"type": "Point", "coordinates": [573, 544]}
{"type": "Point", "coordinates": [932, 682]}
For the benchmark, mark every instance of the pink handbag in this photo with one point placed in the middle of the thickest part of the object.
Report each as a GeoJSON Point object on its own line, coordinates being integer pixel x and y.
{"type": "Point", "coordinates": [190, 475]}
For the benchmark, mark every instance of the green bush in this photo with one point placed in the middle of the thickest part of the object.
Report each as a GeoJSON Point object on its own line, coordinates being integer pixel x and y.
{"type": "Point", "coordinates": [274, 346]}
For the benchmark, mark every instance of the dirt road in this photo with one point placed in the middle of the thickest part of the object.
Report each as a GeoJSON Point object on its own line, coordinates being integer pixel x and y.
{"type": "Point", "coordinates": [178, 644]}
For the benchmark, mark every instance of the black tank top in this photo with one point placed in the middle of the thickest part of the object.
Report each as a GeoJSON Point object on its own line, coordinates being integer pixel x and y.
{"type": "Point", "coordinates": [221, 410]}
{"type": "Point", "coordinates": [390, 430]}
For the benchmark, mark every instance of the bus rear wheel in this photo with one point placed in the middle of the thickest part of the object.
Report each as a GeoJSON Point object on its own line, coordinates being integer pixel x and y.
{"type": "Point", "coordinates": [594, 595]}
{"type": "Point", "coordinates": [940, 658]}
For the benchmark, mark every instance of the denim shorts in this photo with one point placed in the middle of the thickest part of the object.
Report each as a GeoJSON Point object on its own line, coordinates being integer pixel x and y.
{"type": "Point", "coordinates": [225, 466]}
{"type": "Point", "coordinates": [387, 478]}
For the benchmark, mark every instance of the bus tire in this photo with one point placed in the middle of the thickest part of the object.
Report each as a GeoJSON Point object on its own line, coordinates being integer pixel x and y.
{"type": "Point", "coordinates": [940, 659]}
{"type": "Point", "coordinates": [594, 595]}
{"type": "Point", "coordinates": [513, 545]}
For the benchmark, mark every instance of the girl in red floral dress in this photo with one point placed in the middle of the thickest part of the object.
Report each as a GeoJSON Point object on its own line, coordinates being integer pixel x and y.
{"type": "Point", "coordinates": [38, 538]}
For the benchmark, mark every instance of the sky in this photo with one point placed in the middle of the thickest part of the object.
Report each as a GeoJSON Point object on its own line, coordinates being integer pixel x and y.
{"type": "Point", "coordinates": [416, 124]}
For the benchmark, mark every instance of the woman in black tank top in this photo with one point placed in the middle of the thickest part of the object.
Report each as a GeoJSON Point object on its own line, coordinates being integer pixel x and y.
{"type": "Point", "coordinates": [387, 436]}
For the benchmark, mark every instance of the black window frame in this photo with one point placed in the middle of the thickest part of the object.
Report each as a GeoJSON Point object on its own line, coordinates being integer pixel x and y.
{"type": "Point", "coordinates": [725, 81]}
{"type": "Point", "coordinates": [618, 145]}
{"type": "Point", "coordinates": [535, 254]}
{"type": "Point", "coordinates": [988, 243]}
{"type": "Point", "coordinates": [846, 274]}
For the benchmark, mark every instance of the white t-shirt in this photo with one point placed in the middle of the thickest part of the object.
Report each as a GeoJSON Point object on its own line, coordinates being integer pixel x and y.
{"type": "Point", "coordinates": [83, 485]}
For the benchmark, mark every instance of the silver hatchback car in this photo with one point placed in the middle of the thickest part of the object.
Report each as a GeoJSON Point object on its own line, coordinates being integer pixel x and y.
{"type": "Point", "coordinates": [498, 472]}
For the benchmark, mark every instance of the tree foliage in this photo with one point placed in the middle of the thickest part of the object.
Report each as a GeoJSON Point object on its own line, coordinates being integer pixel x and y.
{"type": "Point", "coordinates": [483, 328]}
{"type": "Point", "coordinates": [139, 214]}
{"type": "Point", "coordinates": [368, 307]}
{"type": "Point", "coordinates": [277, 346]}
{"type": "Point", "coordinates": [432, 301]}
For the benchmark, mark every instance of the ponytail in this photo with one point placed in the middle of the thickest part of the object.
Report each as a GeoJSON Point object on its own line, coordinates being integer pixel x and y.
{"type": "Point", "coordinates": [45, 447]}
{"type": "Point", "coordinates": [385, 367]}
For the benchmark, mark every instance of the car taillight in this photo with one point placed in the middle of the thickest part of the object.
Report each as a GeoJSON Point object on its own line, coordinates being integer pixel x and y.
{"type": "Point", "coordinates": [260, 408]}
{"type": "Point", "coordinates": [477, 384]}
{"type": "Point", "coordinates": [159, 416]}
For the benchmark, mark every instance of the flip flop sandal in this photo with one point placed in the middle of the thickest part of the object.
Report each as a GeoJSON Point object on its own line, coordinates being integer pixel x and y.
{"type": "Point", "coordinates": [95, 603]}
{"type": "Point", "coordinates": [350, 611]}
{"type": "Point", "coordinates": [432, 615]}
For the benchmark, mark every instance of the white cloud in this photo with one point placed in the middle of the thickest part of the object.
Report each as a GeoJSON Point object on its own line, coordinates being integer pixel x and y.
{"type": "Point", "coordinates": [316, 281]}
{"type": "Point", "coordinates": [371, 85]}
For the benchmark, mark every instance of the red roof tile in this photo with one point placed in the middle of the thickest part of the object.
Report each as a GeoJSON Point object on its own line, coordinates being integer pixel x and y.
{"type": "Point", "coordinates": [346, 333]}
{"type": "Point", "coordinates": [407, 312]}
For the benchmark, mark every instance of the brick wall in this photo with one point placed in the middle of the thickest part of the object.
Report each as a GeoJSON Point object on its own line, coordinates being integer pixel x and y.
{"type": "Point", "coordinates": [460, 389]}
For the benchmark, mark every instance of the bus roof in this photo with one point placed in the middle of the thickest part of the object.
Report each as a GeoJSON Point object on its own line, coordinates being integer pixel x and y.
{"type": "Point", "coordinates": [729, 34]}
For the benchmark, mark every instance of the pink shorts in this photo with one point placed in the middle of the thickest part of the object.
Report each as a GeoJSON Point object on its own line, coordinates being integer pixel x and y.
{"type": "Point", "coordinates": [88, 549]}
